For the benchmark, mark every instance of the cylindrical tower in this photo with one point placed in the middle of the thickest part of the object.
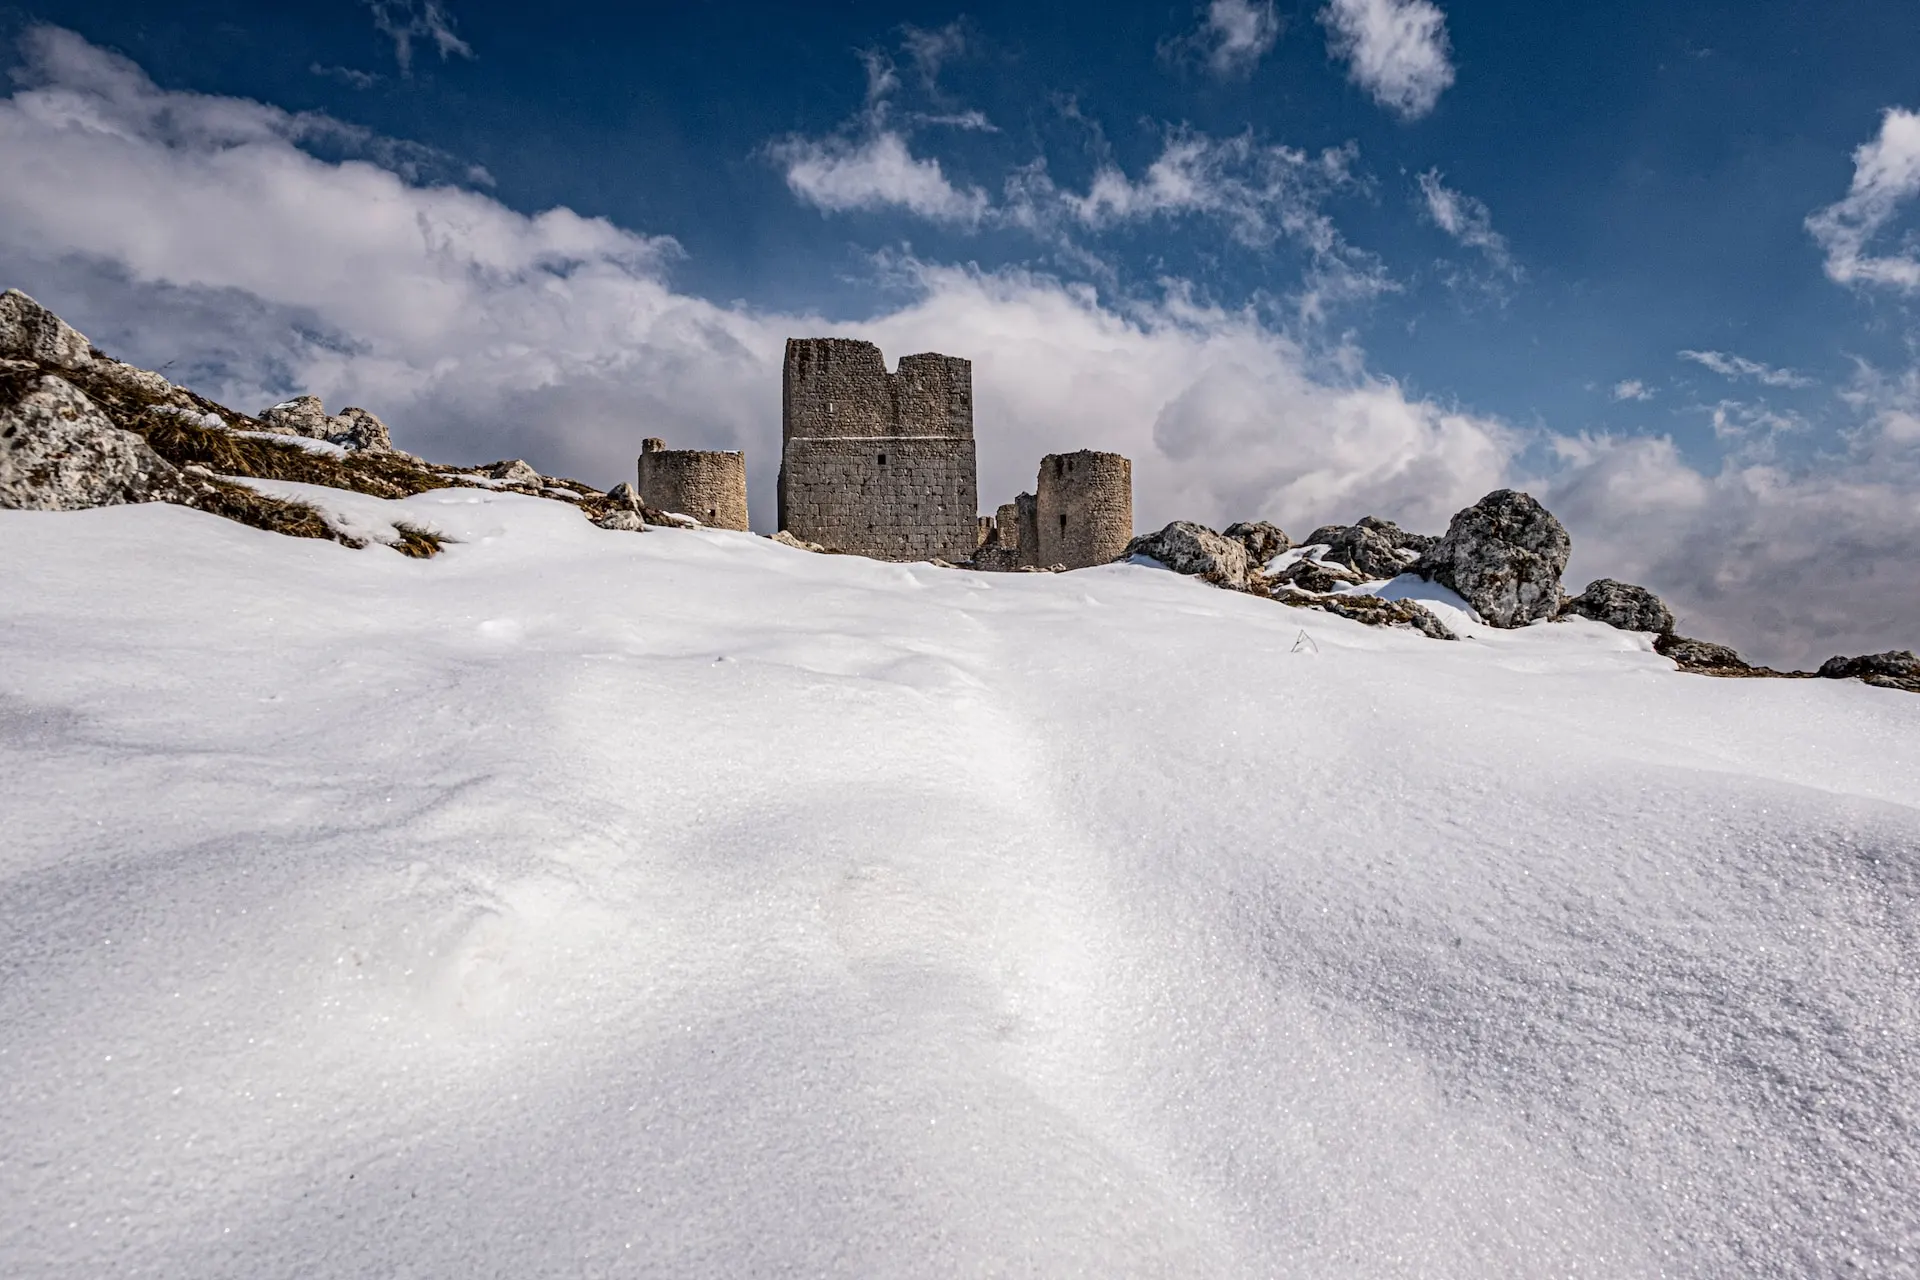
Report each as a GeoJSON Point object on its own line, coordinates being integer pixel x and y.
{"type": "Point", "coordinates": [709, 485]}
{"type": "Point", "coordinates": [1084, 509]}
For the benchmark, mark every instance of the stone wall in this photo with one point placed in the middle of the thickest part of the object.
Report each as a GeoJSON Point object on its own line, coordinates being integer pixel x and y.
{"type": "Point", "coordinates": [709, 486]}
{"type": "Point", "coordinates": [1084, 508]}
{"type": "Point", "coordinates": [890, 497]}
{"type": "Point", "coordinates": [876, 463]}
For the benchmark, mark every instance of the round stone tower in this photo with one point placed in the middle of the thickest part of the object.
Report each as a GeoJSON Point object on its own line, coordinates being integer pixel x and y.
{"type": "Point", "coordinates": [1084, 508]}
{"type": "Point", "coordinates": [708, 485]}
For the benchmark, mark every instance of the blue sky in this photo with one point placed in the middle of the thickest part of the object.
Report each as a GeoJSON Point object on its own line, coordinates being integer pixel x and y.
{"type": "Point", "coordinates": [1341, 252]}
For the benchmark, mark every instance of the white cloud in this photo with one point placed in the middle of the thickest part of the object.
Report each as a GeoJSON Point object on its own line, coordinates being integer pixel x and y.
{"type": "Point", "coordinates": [404, 21]}
{"type": "Point", "coordinates": [194, 230]}
{"type": "Point", "coordinates": [1632, 389]}
{"type": "Point", "coordinates": [1396, 50]}
{"type": "Point", "coordinates": [1886, 173]}
{"type": "Point", "coordinates": [1467, 220]}
{"type": "Point", "coordinates": [1232, 37]}
{"type": "Point", "coordinates": [1732, 366]}
{"type": "Point", "coordinates": [874, 172]}
{"type": "Point", "coordinates": [345, 75]}
{"type": "Point", "coordinates": [933, 48]}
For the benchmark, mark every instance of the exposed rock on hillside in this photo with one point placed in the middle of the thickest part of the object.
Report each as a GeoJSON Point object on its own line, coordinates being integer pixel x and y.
{"type": "Point", "coordinates": [1375, 548]}
{"type": "Point", "coordinates": [28, 331]}
{"type": "Point", "coordinates": [1895, 669]}
{"type": "Point", "coordinates": [1189, 548]}
{"type": "Point", "coordinates": [1262, 540]}
{"type": "Point", "coordinates": [1317, 576]}
{"type": "Point", "coordinates": [1699, 655]}
{"type": "Point", "coordinates": [1622, 605]}
{"type": "Point", "coordinates": [1504, 556]}
{"type": "Point", "coordinates": [1404, 614]}
{"type": "Point", "coordinates": [60, 452]}
{"type": "Point", "coordinates": [351, 428]}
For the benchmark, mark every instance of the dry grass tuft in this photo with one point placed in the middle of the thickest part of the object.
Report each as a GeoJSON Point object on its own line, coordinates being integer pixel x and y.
{"type": "Point", "coordinates": [421, 544]}
{"type": "Point", "coordinates": [186, 444]}
{"type": "Point", "coordinates": [275, 515]}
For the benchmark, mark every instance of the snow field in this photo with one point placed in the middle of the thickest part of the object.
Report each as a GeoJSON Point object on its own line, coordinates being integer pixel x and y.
{"type": "Point", "coordinates": [584, 903]}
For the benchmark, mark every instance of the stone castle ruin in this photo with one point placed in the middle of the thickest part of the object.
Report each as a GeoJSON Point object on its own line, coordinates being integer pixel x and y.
{"type": "Point", "coordinates": [874, 463]}
{"type": "Point", "coordinates": [1080, 515]}
{"type": "Point", "coordinates": [709, 485]}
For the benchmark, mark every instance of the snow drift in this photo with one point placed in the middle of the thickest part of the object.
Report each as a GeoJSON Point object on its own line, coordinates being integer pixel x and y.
{"type": "Point", "coordinates": [577, 903]}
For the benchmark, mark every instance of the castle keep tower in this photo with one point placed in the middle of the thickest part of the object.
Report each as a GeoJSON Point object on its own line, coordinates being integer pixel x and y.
{"type": "Point", "coordinates": [1085, 508]}
{"type": "Point", "coordinates": [710, 486]}
{"type": "Point", "coordinates": [875, 463]}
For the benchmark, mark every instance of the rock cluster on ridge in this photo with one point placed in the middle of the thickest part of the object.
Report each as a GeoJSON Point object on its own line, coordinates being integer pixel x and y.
{"type": "Point", "coordinates": [1262, 540]}
{"type": "Point", "coordinates": [1504, 556]}
{"type": "Point", "coordinates": [1622, 605]}
{"type": "Point", "coordinates": [351, 428]}
{"type": "Point", "coordinates": [1894, 669]}
{"type": "Point", "coordinates": [1189, 548]}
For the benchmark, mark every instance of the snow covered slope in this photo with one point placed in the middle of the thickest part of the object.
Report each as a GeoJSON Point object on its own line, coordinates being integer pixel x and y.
{"type": "Point", "coordinates": [583, 903]}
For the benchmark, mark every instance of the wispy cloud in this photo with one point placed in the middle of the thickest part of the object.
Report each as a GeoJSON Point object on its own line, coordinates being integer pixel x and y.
{"type": "Point", "coordinates": [345, 75]}
{"type": "Point", "coordinates": [1738, 367]}
{"type": "Point", "coordinates": [1232, 37]}
{"type": "Point", "coordinates": [405, 21]}
{"type": "Point", "coordinates": [1467, 220]}
{"type": "Point", "coordinates": [1886, 173]}
{"type": "Point", "coordinates": [931, 49]}
{"type": "Point", "coordinates": [878, 171]}
{"type": "Point", "coordinates": [1632, 389]}
{"type": "Point", "coordinates": [1396, 50]}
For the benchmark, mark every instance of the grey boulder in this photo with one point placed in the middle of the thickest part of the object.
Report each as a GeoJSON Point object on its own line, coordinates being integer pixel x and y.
{"type": "Point", "coordinates": [1894, 669]}
{"type": "Point", "coordinates": [1699, 655]}
{"type": "Point", "coordinates": [1194, 549]}
{"type": "Point", "coordinates": [28, 331]}
{"type": "Point", "coordinates": [59, 452]}
{"type": "Point", "coordinates": [1504, 556]}
{"type": "Point", "coordinates": [1622, 605]}
{"type": "Point", "coordinates": [1263, 540]}
{"type": "Point", "coordinates": [352, 428]}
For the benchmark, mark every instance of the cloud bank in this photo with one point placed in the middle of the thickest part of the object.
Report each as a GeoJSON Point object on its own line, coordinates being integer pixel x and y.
{"type": "Point", "coordinates": [197, 232]}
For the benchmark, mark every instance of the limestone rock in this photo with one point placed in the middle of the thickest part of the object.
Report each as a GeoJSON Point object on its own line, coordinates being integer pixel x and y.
{"type": "Point", "coordinates": [515, 471]}
{"type": "Point", "coordinates": [59, 452]}
{"type": "Point", "coordinates": [1401, 540]}
{"type": "Point", "coordinates": [1407, 615]}
{"type": "Point", "coordinates": [28, 331]}
{"type": "Point", "coordinates": [1698, 655]}
{"type": "Point", "coordinates": [623, 495]}
{"type": "Point", "coordinates": [141, 385]}
{"type": "Point", "coordinates": [1189, 548]}
{"type": "Point", "coordinates": [1317, 576]}
{"type": "Point", "coordinates": [786, 539]}
{"type": "Point", "coordinates": [1262, 540]}
{"type": "Point", "coordinates": [300, 416]}
{"type": "Point", "coordinates": [1504, 556]}
{"type": "Point", "coordinates": [624, 520]}
{"type": "Point", "coordinates": [358, 429]}
{"type": "Point", "coordinates": [1894, 669]}
{"type": "Point", "coordinates": [1368, 551]}
{"type": "Point", "coordinates": [1622, 605]}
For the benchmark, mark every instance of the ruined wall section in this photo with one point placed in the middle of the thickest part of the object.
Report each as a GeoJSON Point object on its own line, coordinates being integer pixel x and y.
{"type": "Point", "coordinates": [876, 463]}
{"type": "Point", "coordinates": [890, 497]}
{"type": "Point", "coordinates": [1084, 508]}
{"type": "Point", "coordinates": [710, 486]}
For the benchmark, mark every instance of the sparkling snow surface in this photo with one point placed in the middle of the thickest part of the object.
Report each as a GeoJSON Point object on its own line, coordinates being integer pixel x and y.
{"type": "Point", "coordinates": [582, 903]}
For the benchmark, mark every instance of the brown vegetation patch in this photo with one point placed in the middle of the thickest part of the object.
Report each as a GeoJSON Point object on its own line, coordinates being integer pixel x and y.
{"type": "Point", "coordinates": [185, 444]}
{"type": "Point", "coordinates": [276, 515]}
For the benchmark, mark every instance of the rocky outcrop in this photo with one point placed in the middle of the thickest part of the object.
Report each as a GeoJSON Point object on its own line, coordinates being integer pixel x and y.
{"type": "Point", "coordinates": [60, 452]}
{"type": "Point", "coordinates": [515, 471]}
{"type": "Point", "coordinates": [1317, 576]}
{"type": "Point", "coordinates": [1622, 605]}
{"type": "Point", "coordinates": [1372, 547]}
{"type": "Point", "coordinates": [28, 331]}
{"type": "Point", "coordinates": [1194, 549]}
{"type": "Point", "coordinates": [1262, 540]}
{"type": "Point", "coordinates": [1504, 556]}
{"type": "Point", "coordinates": [1699, 655]}
{"type": "Point", "coordinates": [352, 428]}
{"type": "Point", "coordinates": [1406, 615]}
{"type": "Point", "coordinates": [1894, 669]}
